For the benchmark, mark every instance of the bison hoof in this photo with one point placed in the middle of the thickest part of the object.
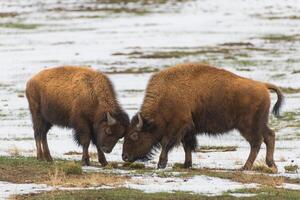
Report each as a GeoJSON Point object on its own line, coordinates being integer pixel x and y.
{"type": "Point", "coordinates": [245, 168]}
{"type": "Point", "coordinates": [86, 162]}
{"type": "Point", "coordinates": [161, 165]}
{"type": "Point", "coordinates": [40, 158]}
{"type": "Point", "coordinates": [274, 169]}
{"type": "Point", "coordinates": [103, 163]}
{"type": "Point", "coordinates": [49, 159]}
{"type": "Point", "coordinates": [187, 165]}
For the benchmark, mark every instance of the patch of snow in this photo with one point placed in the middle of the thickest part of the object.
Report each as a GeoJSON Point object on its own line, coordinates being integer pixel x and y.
{"type": "Point", "coordinates": [242, 194]}
{"type": "Point", "coordinates": [197, 184]}
{"type": "Point", "coordinates": [289, 186]}
{"type": "Point", "coordinates": [10, 189]}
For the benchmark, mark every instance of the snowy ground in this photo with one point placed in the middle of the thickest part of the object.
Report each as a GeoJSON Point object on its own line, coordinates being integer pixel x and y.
{"type": "Point", "coordinates": [256, 39]}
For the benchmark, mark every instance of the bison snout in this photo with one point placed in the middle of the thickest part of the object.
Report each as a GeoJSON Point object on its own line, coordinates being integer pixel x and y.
{"type": "Point", "coordinates": [125, 157]}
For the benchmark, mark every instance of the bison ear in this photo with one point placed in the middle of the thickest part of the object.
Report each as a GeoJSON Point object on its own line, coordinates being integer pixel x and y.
{"type": "Point", "coordinates": [139, 126]}
{"type": "Point", "coordinates": [134, 136]}
{"type": "Point", "coordinates": [110, 120]}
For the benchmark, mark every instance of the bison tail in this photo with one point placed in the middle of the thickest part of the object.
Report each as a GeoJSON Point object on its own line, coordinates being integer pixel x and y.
{"type": "Point", "coordinates": [280, 98]}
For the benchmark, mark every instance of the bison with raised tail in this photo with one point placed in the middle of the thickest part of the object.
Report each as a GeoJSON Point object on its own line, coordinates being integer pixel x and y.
{"type": "Point", "coordinates": [191, 99]}
{"type": "Point", "coordinates": [78, 98]}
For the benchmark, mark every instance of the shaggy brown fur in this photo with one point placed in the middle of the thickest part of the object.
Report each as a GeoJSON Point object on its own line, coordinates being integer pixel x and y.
{"type": "Point", "coordinates": [188, 99]}
{"type": "Point", "coordinates": [78, 98]}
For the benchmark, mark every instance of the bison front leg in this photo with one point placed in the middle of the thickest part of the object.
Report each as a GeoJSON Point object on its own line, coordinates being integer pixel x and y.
{"type": "Point", "coordinates": [101, 157]}
{"type": "Point", "coordinates": [85, 154]}
{"type": "Point", "coordinates": [166, 145]}
{"type": "Point", "coordinates": [83, 137]}
{"type": "Point", "coordinates": [189, 143]}
{"type": "Point", "coordinates": [163, 159]}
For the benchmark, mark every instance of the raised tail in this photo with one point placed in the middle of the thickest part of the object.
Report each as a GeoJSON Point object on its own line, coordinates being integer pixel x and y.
{"type": "Point", "coordinates": [280, 98]}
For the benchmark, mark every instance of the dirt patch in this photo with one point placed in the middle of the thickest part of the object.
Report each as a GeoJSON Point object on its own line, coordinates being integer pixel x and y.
{"type": "Point", "coordinates": [19, 26]}
{"type": "Point", "coordinates": [8, 14]}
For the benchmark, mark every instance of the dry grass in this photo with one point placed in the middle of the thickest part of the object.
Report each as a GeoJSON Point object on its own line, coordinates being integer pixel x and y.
{"type": "Point", "coordinates": [291, 168]}
{"type": "Point", "coordinates": [208, 149]}
{"type": "Point", "coordinates": [260, 166]}
{"type": "Point", "coordinates": [14, 151]}
{"type": "Point", "coordinates": [59, 178]}
{"type": "Point", "coordinates": [237, 176]}
{"type": "Point", "coordinates": [93, 155]}
{"type": "Point", "coordinates": [57, 173]}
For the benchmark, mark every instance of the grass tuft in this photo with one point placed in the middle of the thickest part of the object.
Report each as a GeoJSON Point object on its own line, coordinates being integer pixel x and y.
{"type": "Point", "coordinates": [291, 168]}
{"type": "Point", "coordinates": [208, 149]}
{"type": "Point", "coordinates": [260, 167]}
{"type": "Point", "coordinates": [178, 166]}
{"type": "Point", "coordinates": [134, 165]}
{"type": "Point", "coordinates": [19, 26]}
{"type": "Point", "coordinates": [72, 168]}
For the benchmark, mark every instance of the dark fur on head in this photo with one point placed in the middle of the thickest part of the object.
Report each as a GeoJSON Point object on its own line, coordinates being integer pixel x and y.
{"type": "Point", "coordinates": [149, 156]}
{"type": "Point", "coordinates": [149, 127]}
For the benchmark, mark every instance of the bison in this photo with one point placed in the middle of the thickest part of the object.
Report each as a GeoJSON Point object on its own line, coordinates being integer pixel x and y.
{"type": "Point", "coordinates": [79, 98]}
{"type": "Point", "coordinates": [194, 98]}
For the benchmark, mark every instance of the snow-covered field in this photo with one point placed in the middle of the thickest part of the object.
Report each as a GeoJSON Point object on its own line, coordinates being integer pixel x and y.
{"type": "Point", "coordinates": [253, 38]}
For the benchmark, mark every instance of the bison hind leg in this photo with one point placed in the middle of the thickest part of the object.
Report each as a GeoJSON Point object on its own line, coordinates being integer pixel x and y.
{"type": "Point", "coordinates": [269, 140]}
{"type": "Point", "coordinates": [255, 139]}
{"type": "Point", "coordinates": [41, 128]}
{"type": "Point", "coordinates": [189, 143]}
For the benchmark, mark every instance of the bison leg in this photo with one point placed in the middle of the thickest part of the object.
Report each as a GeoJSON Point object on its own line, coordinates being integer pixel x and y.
{"type": "Point", "coordinates": [46, 151]}
{"type": "Point", "coordinates": [166, 145]}
{"type": "Point", "coordinates": [83, 137]}
{"type": "Point", "coordinates": [101, 157]}
{"type": "Point", "coordinates": [255, 144]}
{"type": "Point", "coordinates": [41, 127]}
{"type": "Point", "coordinates": [163, 158]}
{"type": "Point", "coordinates": [189, 143]}
{"type": "Point", "coordinates": [39, 152]}
{"type": "Point", "coordinates": [85, 154]}
{"type": "Point", "coordinates": [269, 140]}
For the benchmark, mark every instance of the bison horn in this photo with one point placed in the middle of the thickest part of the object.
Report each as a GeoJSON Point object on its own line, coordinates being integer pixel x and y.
{"type": "Point", "coordinates": [110, 120]}
{"type": "Point", "coordinates": [140, 124]}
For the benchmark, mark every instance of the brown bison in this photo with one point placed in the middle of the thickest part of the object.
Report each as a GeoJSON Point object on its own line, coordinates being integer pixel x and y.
{"type": "Point", "coordinates": [78, 98]}
{"type": "Point", "coordinates": [188, 99]}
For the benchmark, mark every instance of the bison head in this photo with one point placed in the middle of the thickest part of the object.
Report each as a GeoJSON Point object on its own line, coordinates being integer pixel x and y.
{"type": "Point", "coordinates": [110, 129]}
{"type": "Point", "coordinates": [140, 140]}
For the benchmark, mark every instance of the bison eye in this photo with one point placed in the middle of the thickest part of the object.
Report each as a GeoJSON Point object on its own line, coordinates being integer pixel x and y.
{"type": "Point", "coordinates": [108, 131]}
{"type": "Point", "coordinates": [134, 136]}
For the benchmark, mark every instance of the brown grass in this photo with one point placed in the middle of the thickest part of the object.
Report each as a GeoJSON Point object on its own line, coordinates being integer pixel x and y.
{"type": "Point", "coordinates": [262, 167]}
{"type": "Point", "coordinates": [208, 149]}
{"type": "Point", "coordinates": [93, 155]}
{"type": "Point", "coordinates": [14, 151]}
{"type": "Point", "coordinates": [59, 178]}
{"type": "Point", "coordinates": [291, 168]}
{"type": "Point", "coordinates": [59, 172]}
{"type": "Point", "coordinates": [238, 176]}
